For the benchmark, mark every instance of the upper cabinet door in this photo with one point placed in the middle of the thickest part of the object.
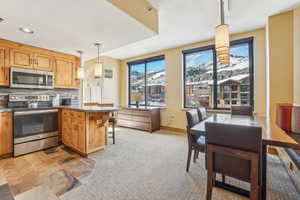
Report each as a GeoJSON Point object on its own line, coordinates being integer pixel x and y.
{"type": "Point", "coordinates": [4, 66]}
{"type": "Point", "coordinates": [43, 62]}
{"type": "Point", "coordinates": [21, 58]}
{"type": "Point", "coordinates": [63, 73]}
{"type": "Point", "coordinates": [76, 81]}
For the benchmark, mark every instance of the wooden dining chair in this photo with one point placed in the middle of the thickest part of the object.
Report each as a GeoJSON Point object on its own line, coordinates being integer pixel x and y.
{"type": "Point", "coordinates": [241, 110]}
{"type": "Point", "coordinates": [111, 120]}
{"type": "Point", "coordinates": [196, 143]}
{"type": "Point", "coordinates": [234, 151]}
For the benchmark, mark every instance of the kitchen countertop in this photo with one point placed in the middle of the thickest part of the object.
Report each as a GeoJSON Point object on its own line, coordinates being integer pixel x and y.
{"type": "Point", "coordinates": [72, 107]}
{"type": "Point", "coordinates": [143, 108]}
{"type": "Point", "coordinates": [5, 109]}
{"type": "Point", "coordinates": [91, 108]}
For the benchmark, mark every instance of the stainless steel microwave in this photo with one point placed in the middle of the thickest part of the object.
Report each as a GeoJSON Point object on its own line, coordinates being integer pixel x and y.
{"type": "Point", "coordinates": [28, 78]}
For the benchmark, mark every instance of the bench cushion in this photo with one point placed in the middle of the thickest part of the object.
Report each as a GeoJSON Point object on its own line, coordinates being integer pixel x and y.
{"type": "Point", "coordinates": [296, 119]}
{"type": "Point", "coordinates": [294, 154]}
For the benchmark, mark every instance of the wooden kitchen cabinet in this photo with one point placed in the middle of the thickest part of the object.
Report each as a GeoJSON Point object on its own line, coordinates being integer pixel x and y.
{"type": "Point", "coordinates": [21, 58]}
{"type": "Point", "coordinates": [43, 61]}
{"type": "Point", "coordinates": [6, 135]}
{"type": "Point", "coordinates": [65, 73]}
{"type": "Point", "coordinates": [18, 55]}
{"type": "Point", "coordinates": [4, 66]}
{"type": "Point", "coordinates": [84, 132]}
{"type": "Point", "coordinates": [31, 59]}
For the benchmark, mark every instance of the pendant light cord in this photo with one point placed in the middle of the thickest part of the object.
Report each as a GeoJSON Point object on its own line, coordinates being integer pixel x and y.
{"type": "Point", "coordinates": [222, 12]}
{"type": "Point", "coordinates": [98, 53]}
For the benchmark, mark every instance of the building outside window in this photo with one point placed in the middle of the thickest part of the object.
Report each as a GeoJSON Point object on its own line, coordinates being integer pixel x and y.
{"type": "Point", "coordinates": [147, 77]}
{"type": "Point", "coordinates": [208, 84]}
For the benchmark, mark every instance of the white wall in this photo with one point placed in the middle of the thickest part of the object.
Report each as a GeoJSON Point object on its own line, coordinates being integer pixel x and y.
{"type": "Point", "coordinates": [110, 86]}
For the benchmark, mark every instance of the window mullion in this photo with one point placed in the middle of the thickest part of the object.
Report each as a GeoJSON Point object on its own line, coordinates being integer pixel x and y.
{"type": "Point", "coordinates": [145, 87]}
{"type": "Point", "coordinates": [215, 80]}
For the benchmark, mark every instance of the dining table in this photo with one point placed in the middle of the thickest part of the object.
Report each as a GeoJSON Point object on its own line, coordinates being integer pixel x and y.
{"type": "Point", "coordinates": [272, 135]}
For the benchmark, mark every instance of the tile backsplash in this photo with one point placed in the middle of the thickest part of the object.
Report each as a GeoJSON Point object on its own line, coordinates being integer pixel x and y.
{"type": "Point", "coordinates": [63, 93]}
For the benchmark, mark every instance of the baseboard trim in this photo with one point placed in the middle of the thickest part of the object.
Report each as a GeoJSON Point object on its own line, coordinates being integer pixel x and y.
{"type": "Point", "coordinates": [177, 130]}
{"type": "Point", "coordinates": [9, 155]}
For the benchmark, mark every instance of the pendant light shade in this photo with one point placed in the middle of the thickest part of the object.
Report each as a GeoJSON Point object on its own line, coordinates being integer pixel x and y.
{"type": "Point", "coordinates": [98, 69]}
{"type": "Point", "coordinates": [80, 70]}
{"type": "Point", "coordinates": [80, 73]}
{"type": "Point", "coordinates": [222, 43]}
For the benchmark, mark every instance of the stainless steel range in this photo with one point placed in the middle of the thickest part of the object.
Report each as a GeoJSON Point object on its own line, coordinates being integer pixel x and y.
{"type": "Point", "coordinates": [35, 123]}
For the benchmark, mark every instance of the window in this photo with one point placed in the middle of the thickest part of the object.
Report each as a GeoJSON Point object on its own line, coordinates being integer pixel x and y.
{"type": "Point", "coordinates": [147, 77]}
{"type": "Point", "coordinates": [208, 84]}
{"type": "Point", "coordinates": [198, 77]}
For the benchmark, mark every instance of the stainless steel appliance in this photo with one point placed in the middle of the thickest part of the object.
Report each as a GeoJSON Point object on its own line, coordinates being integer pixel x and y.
{"type": "Point", "coordinates": [34, 128]}
{"type": "Point", "coordinates": [65, 101]}
{"type": "Point", "coordinates": [27, 78]}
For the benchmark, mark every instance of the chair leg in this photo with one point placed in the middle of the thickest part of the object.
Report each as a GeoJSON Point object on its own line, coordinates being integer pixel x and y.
{"type": "Point", "coordinates": [113, 124]}
{"type": "Point", "coordinates": [255, 193]}
{"type": "Point", "coordinates": [210, 184]}
{"type": "Point", "coordinates": [188, 160]}
{"type": "Point", "coordinates": [223, 178]}
{"type": "Point", "coordinates": [195, 155]}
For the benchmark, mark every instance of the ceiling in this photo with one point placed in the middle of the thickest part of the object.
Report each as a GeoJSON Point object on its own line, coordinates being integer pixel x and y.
{"type": "Point", "coordinates": [187, 21]}
{"type": "Point", "coordinates": [68, 25]}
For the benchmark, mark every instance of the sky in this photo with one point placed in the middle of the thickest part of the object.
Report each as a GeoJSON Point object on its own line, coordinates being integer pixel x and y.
{"type": "Point", "coordinates": [192, 60]}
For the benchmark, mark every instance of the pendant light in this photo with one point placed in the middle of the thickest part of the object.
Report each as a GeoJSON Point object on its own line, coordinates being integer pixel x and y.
{"type": "Point", "coordinates": [80, 71]}
{"type": "Point", "coordinates": [222, 39]}
{"type": "Point", "coordinates": [99, 65]}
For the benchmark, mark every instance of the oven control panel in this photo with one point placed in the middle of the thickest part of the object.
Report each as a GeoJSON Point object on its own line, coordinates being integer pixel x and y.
{"type": "Point", "coordinates": [24, 97]}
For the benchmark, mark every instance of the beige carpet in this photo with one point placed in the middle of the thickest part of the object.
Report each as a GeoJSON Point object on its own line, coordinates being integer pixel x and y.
{"type": "Point", "coordinates": [140, 166]}
{"type": "Point", "coordinates": [144, 166]}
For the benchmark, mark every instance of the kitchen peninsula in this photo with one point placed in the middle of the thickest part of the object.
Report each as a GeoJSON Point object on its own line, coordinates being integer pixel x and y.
{"type": "Point", "coordinates": [84, 128]}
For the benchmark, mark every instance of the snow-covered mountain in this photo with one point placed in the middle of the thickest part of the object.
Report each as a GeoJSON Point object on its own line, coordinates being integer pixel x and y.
{"type": "Point", "coordinates": [201, 74]}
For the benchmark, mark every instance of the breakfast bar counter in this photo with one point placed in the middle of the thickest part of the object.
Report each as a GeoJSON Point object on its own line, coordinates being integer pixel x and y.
{"type": "Point", "coordinates": [83, 108]}
{"type": "Point", "coordinates": [84, 128]}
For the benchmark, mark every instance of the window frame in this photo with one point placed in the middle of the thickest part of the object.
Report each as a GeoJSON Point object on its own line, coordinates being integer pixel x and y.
{"type": "Point", "coordinates": [142, 61]}
{"type": "Point", "coordinates": [249, 41]}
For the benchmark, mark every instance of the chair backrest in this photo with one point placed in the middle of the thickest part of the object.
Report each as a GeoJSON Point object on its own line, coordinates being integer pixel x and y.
{"type": "Point", "coordinates": [296, 119]}
{"type": "Point", "coordinates": [243, 140]}
{"type": "Point", "coordinates": [241, 110]}
{"type": "Point", "coordinates": [201, 113]}
{"type": "Point", "coordinates": [192, 117]}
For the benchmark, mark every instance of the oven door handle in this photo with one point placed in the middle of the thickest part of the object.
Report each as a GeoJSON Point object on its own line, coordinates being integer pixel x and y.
{"type": "Point", "coordinates": [35, 112]}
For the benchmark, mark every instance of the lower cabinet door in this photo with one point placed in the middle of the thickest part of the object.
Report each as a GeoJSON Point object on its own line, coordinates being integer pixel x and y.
{"type": "Point", "coordinates": [74, 136]}
{"type": "Point", "coordinates": [97, 131]}
{"type": "Point", "coordinates": [81, 137]}
{"type": "Point", "coordinates": [6, 137]}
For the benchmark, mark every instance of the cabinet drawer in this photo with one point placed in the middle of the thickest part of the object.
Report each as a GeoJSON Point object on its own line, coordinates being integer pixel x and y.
{"type": "Point", "coordinates": [80, 115]}
{"type": "Point", "coordinates": [141, 113]}
{"type": "Point", "coordinates": [137, 118]}
{"type": "Point", "coordinates": [65, 113]}
{"type": "Point", "coordinates": [145, 119]}
{"type": "Point", "coordinates": [134, 124]}
{"type": "Point", "coordinates": [123, 116]}
{"type": "Point", "coordinates": [135, 112]}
